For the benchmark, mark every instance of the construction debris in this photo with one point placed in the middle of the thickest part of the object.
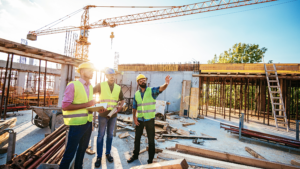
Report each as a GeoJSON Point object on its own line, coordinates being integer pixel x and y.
{"type": "Point", "coordinates": [89, 151]}
{"type": "Point", "coordinates": [189, 137]}
{"type": "Point", "coordinates": [142, 151]}
{"type": "Point", "coordinates": [188, 124]}
{"type": "Point", "coordinates": [157, 150]}
{"type": "Point", "coordinates": [198, 141]}
{"type": "Point", "coordinates": [199, 161]}
{"type": "Point", "coordinates": [192, 131]}
{"type": "Point", "coordinates": [182, 132]}
{"type": "Point", "coordinates": [4, 134]}
{"type": "Point", "coordinates": [123, 135]}
{"type": "Point", "coordinates": [295, 162]}
{"type": "Point", "coordinates": [49, 150]}
{"type": "Point", "coordinates": [254, 134]}
{"type": "Point", "coordinates": [225, 156]}
{"type": "Point", "coordinates": [253, 153]}
{"type": "Point", "coordinates": [174, 164]}
{"type": "Point", "coordinates": [161, 140]}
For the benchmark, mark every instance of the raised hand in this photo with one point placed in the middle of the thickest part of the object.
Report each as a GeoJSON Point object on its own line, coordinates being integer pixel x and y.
{"type": "Point", "coordinates": [168, 79]}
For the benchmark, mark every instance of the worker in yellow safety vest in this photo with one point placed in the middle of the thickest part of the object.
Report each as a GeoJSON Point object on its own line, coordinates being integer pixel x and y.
{"type": "Point", "coordinates": [77, 97]}
{"type": "Point", "coordinates": [143, 111]}
{"type": "Point", "coordinates": [110, 93]}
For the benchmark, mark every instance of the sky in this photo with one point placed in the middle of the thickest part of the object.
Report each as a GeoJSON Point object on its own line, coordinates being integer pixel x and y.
{"type": "Point", "coordinates": [274, 25]}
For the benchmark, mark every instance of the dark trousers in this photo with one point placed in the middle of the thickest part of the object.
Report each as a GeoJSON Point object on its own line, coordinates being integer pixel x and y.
{"type": "Point", "coordinates": [150, 134]}
{"type": "Point", "coordinates": [78, 139]}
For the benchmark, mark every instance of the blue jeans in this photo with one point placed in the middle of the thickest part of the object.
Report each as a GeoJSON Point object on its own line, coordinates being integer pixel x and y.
{"type": "Point", "coordinates": [78, 139]}
{"type": "Point", "coordinates": [103, 124]}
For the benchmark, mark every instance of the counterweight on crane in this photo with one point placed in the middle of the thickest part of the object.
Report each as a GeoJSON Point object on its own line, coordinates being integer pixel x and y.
{"type": "Point", "coordinates": [82, 44]}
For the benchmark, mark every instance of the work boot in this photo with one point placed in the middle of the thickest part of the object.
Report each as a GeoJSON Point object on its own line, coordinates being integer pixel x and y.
{"type": "Point", "coordinates": [98, 162]}
{"type": "Point", "coordinates": [132, 158]}
{"type": "Point", "coordinates": [109, 158]}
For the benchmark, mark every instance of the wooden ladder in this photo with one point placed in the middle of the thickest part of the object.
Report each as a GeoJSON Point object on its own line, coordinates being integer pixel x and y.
{"type": "Point", "coordinates": [279, 100]}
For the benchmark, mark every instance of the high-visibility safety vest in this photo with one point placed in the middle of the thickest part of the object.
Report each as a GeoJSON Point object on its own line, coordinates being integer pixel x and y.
{"type": "Point", "coordinates": [146, 106]}
{"type": "Point", "coordinates": [106, 96]}
{"type": "Point", "coordinates": [80, 116]}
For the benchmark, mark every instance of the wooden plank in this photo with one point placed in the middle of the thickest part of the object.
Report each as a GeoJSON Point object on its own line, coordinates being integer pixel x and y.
{"type": "Point", "coordinates": [173, 164]}
{"type": "Point", "coordinates": [188, 124]}
{"type": "Point", "coordinates": [182, 132]}
{"type": "Point", "coordinates": [159, 129]}
{"type": "Point", "coordinates": [295, 162]}
{"type": "Point", "coordinates": [253, 153]}
{"type": "Point", "coordinates": [200, 160]}
{"type": "Point", "coordinates": [123, 135]}
{"type": "Point", "coordinates": [190, 137]}
{"type": "Point", "coordinates": [160, 123]}
{"type": "Point", "coordinates": [224, 156]}
{"type": "Point", "coordinates": [193, 112]}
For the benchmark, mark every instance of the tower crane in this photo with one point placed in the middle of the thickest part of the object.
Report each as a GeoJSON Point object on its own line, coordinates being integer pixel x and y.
{"type": "Point", "coordinates": [82, 44]}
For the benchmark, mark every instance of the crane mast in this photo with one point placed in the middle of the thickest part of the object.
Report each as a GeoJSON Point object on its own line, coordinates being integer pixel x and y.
{"type": "Point", "coordinates": [82, 44]}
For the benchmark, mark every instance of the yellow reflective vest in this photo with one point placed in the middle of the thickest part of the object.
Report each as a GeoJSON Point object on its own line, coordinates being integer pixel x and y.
{"type": "Point", "coordinates": [80, 116]}
{"type": "Point", "coordinates": [146, 107]}
{"type": "Point", "coordinates": [106, 96]}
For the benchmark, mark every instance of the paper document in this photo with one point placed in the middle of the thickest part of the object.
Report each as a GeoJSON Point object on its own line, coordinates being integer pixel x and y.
{"type": "Point", "coordinates": [97, 107]}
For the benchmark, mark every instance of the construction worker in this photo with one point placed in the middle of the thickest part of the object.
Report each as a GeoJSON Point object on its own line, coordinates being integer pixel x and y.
{"type": "Point", "coordinates": [109, 93]}
{"type": "Point", "coordinates": [143, 111]}
{"type": "Point", "coordinates": [78, 96]}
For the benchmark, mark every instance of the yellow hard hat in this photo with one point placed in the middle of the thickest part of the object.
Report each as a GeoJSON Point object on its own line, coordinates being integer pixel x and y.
{"type": "Point", "coordinates": [140, 76]}
{"type": "Point", "coordinates": [86, 65]}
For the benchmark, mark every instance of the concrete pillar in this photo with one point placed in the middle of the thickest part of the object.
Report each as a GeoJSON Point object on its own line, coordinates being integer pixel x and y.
{"type": "Point", "coordinates": [63, 82]}
{"type": "Point", "coordinates": [21, 81]}
{"type": "Point", "coordinates": [56, 84]}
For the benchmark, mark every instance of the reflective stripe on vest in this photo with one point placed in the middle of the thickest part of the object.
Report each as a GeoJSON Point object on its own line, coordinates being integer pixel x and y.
{"type": "Point", "coordinates": [80, 116]}
{"type": "Point", "coordinates": [106, 96]}
{"type": "Point", "coordinates": [146, 107]}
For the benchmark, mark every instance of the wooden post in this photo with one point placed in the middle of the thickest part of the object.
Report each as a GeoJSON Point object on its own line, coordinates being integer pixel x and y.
{"type": "Point", "coordinates": [224, 98]}
{"type": "Point", "coordinates": [216, 99]}
{"type": "Point", "coordinates": [259, 97]}
{"type": "Point", "coordinates": [297, 130]}
{"type": "Point", "coordinates": [256, 97]}
{"type": "Point", "coordinates": [220, 89]}
{"type": "Point", "coordinates": [292, 102]}
{"type": "Point", "coordinates": [230, 97]}
{"type": "Point", "coordinates": [241, 96]}
{"type": "Point", "coordinates": [235, 96]}
{"type": "Point", "coordinates": [199, 97]}
{"type": "Point", "coordinates": [285, 95]}
{"type": "Point", "coordinates": [246, 89]}
{"type": "Point", "coordinates": [297, 100]}
{"type": "Point", "coordinates": [268, 106]}
{"type": "Point", "coordinates": [207, 94]}
{"type": "Point", "coordinates": [202, 78]}
{"type": "Point", "coordinates": [289, 117]}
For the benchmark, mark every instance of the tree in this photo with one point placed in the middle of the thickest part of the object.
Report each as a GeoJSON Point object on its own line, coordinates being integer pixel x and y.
{"type": "Point", "coordinates": [240, 53]}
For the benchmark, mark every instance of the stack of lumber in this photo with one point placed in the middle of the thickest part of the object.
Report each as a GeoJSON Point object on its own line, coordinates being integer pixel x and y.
{"type": "Point", "coordinates": [207, 158]}
{"type": "Point", "coordinates": [3, 134]}
{"type": "Point", "coordinates": [183, 157]}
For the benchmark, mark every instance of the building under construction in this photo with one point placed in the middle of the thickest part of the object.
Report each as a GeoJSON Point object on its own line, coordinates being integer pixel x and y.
{"type": "Point", "coordinates": [226, 90]}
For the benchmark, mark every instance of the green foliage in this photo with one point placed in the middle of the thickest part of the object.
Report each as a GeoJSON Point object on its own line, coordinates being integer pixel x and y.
{"type": "Point", "coordinates": [240, 53]}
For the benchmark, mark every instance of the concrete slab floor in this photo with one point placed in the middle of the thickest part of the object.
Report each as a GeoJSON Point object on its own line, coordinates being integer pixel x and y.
{"type": "Point", "coordinates": [28, 134]}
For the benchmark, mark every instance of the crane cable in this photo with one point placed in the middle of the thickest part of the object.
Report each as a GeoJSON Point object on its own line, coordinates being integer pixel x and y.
{"type": "Point", "coordinates": [60, 20]}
